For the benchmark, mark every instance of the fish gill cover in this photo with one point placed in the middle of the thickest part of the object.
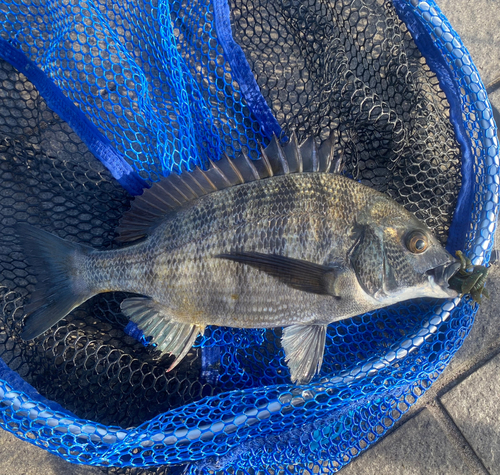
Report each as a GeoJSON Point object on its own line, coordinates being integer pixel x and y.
{"type": "Point", "coordinates": [149, 87]}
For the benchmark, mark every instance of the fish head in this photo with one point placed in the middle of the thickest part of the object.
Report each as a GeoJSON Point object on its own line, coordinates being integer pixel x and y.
{"type": "Point", "coordinates": [396, 257]}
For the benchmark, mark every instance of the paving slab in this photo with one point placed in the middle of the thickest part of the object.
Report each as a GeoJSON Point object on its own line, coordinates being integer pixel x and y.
{"type": "Point", "coordinates": [21, 458]}
{"type": "Point", "coordinates": [474, 407]}
{"type": "Point", "coordinates": [485, 333]}
{"type": "Point", "coordinates": [418, 447]}
{"type": "Point", "coordinates": [477, 23]}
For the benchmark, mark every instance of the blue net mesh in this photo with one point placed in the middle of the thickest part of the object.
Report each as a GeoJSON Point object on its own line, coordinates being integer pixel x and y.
{"type": "Point", "coordinates": [148, 88]}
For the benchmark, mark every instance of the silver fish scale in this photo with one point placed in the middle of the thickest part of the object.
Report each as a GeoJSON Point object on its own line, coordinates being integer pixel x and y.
{"type": "Point", "coordinates": [303, 216]}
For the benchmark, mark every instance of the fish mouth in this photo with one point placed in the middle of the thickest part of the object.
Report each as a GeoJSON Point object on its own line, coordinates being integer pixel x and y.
{"type": "Point", "coordinates": [439, 276]}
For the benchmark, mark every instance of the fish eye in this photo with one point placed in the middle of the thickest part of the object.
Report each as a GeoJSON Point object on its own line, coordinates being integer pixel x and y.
{"type": "Point", "coordinates": [417, 242]}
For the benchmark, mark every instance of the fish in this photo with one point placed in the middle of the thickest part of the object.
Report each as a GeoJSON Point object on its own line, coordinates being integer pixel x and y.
{"type": "Point", "coordinates": [285, 240]}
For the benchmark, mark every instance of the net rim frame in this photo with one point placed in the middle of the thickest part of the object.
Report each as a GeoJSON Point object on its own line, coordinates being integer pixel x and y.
{"type": "Point", "coordinates": [428, 15]}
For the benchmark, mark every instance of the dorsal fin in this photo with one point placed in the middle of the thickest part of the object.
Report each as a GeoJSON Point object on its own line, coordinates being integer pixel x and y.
{"type": "Point", "coordinates": [175, 191]}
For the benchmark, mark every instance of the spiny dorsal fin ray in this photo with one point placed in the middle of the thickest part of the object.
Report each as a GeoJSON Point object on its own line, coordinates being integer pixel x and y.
{"type": "Point", "coordinates": [274, 155]}
{"type": "Point", "coordinates": [293, 156]}
{"type": "Point", "coordinates": [309, 152]}
{"type": "Point", "coordinates": [330, 155]}
{"type": "Point", "coordinates": [175, 191]}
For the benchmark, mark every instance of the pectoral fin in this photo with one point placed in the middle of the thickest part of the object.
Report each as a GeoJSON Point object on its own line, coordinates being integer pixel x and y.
{"type": "Point", "coordinates": [298, 274]}
{"type": "Point", "coordinates": [155, 320]}
{"type": "Point", "coordinates": [304, 347]}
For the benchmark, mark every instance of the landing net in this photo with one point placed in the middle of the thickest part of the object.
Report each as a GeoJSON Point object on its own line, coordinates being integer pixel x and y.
{"type": "Point", "coordinates": [98, 99]}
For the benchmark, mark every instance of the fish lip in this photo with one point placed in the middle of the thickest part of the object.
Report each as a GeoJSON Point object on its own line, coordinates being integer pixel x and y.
{"type": "Point", "coordinates": [440, 276]}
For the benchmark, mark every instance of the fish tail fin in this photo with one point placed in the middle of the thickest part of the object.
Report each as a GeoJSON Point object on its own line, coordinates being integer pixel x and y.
{"type": "Point", "coordinates": [59, 288]}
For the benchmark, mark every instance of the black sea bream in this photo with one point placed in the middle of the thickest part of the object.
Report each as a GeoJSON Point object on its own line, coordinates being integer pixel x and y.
{"type": "Point", "coordinates": [283, 241]}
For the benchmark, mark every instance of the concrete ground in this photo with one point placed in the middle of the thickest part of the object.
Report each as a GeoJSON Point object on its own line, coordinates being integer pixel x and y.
{"type": "Point", "coordinates": [455, 427]}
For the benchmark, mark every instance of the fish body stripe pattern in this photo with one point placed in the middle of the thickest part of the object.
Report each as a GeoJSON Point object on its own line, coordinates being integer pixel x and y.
{"type": "Point", "coordinates": [283, 241]}
{"type": "Point", "coordinates": [307, 216]}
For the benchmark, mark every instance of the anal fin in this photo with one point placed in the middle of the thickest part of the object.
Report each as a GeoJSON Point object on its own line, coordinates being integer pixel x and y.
{"type": "Point", "coordinates": [156, 321]}
{"type": "Point", "coordinates": [304, 347]}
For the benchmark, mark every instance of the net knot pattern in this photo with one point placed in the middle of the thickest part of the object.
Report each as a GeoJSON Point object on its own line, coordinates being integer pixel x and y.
{"type": "Point", "coordinates": [101, 98]}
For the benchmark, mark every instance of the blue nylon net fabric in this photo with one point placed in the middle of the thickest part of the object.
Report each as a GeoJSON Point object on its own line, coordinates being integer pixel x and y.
{"type": "Point", "coordinates": [99, 99]}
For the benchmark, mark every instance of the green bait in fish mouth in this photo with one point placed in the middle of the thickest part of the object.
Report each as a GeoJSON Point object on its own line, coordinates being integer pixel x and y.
{"type": "Point", "coordinates": [470, 279]}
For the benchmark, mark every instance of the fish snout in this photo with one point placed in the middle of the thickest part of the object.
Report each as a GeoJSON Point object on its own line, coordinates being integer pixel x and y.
{"type": "Point", "coordinates": [440, 276]}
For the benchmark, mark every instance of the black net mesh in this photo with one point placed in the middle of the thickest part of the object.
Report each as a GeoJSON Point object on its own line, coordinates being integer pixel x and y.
{"type": "Point", "coordinates": [87, 363]}
{"type": "Point", "coordinates": [346, 69]}
{"type": "Point", "coordinates": [352, 69]}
